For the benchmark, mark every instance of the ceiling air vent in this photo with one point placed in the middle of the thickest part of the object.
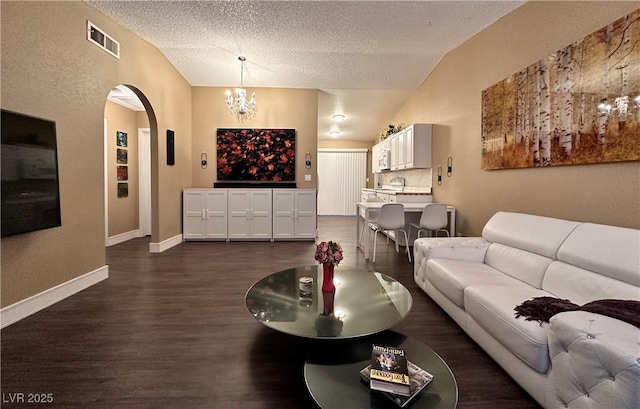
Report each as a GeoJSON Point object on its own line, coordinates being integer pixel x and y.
{"type": "Point", "coordinates": [102, 40]}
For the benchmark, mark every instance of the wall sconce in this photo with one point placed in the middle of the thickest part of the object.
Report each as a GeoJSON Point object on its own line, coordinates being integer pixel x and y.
{"type": "Point", "coordinates": [203, 160]}
{"type": "Point", "coordinates": [449, 166]}
{"type": "Point", "coordinates": [439, 175]}
{"type": "Point", "coordinates": [307, 160]}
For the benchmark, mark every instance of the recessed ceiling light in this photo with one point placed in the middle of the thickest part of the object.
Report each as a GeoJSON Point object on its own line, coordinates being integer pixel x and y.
{"type": "Point", "coordinates": [334, 133]}
{"type": "Point", "coordinates": [338, 117]}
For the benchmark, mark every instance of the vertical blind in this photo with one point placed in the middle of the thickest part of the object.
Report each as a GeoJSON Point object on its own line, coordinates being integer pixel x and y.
{"type": "Point", "coordinates": [341, 176]}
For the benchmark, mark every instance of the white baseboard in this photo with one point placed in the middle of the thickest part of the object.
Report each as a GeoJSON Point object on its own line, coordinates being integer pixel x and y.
{"type": "Point", "coordinates": [122, 237]}
{"type": "Point", "coordinates": [165, 245]}
{"type": "Point", "coordinates": [22, 309]}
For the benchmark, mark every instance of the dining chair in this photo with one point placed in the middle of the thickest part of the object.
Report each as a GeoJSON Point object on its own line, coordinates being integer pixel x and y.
{"type": "Point", "coordinates": [433, 218]}
{"type": "Point", "coordinates": [390, 218]}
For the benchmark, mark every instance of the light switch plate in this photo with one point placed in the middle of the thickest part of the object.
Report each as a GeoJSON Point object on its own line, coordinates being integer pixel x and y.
{"type": "Point", "coordinates": [307, 178]}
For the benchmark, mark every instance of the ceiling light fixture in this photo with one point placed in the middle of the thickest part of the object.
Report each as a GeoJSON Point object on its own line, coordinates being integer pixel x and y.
{"type": "Point", "coordinates": [239, 106]}
{"type": "Point", "coordinates": [338, 117]}
{"type": "Point", "coordinates": [334, 133]}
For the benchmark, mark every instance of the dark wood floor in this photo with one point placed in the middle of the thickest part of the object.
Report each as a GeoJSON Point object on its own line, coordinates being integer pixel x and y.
{"type": "Point", "coordinates": [171, 330]}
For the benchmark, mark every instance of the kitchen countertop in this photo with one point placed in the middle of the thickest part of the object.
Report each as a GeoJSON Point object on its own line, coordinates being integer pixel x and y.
{"type": "Point", "coordinates": [406, 191]}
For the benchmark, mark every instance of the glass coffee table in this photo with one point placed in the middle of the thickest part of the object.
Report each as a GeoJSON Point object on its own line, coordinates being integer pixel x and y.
{"type": "Point", "coordinates": [364, 303]}
{"type": "Point", "coordinates": [332, 374]}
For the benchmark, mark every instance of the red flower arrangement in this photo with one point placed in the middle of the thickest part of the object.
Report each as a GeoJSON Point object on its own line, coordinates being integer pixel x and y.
{"type": "Point", "coordinates": [329, 253]}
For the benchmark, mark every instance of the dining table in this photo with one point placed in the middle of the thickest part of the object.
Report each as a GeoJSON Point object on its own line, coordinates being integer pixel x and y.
{"type": "Point", "coordinates": [364, 209]}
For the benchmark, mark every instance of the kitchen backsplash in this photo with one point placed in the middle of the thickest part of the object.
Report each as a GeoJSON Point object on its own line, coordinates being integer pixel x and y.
{"type": "Point", "coordinates": [413, 177]}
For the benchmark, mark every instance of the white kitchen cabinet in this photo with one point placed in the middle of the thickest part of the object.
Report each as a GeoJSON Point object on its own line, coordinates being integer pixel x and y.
{"type": "Point", "coordinates": [417, 146]}
{"type": "Point", "coordinates": [250, 214]}
{"type": "Point", "coordinates": [397, 150]}
{"type": "Point", "coordinates": [204, 214]}
{"type": "Point", "coordinates": [294, 214]}
{"type": "Point", "coordinates": [376, 151]}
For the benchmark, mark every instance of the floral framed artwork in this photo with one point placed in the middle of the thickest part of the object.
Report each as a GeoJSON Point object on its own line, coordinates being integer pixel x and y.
{"type": "Point", "coordinates": [121, 156]}
{"type": "Point", "coordinates": [579, 105]}
{"type": "Point", "coordinates": [123, 173]}
{"type": "Point", "coordinates": [121, 139]}
{"type": "Point", "coordinates": [256, 155]}
{"type": "Point", "coordinates": [123, 189]}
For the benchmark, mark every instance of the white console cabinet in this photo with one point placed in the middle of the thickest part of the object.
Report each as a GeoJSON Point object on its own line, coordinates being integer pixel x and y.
{"type": "Point", "coordinates": [204, 214]}
{"type": "Point", "coordinates": [250, 214]}
{"type": "Point", "coordinates": [294, 214]}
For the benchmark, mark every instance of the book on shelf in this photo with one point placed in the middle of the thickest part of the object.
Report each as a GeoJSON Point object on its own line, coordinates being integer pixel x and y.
{"type": "Point", "coordinates": [389, 371]}
{"type": "Point", "coordinates": [419, 380]}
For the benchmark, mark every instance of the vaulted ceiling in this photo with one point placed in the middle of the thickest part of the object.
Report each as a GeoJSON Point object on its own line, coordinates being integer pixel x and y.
{"type": "Point", "coordinates": [365, 57]}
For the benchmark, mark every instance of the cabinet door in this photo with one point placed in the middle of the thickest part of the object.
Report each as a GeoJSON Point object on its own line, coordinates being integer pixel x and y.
{"type": "Point", "coordinates": [395, 151]}
{"type": "Point", "coordinates": [375, 158]}
{"type": "Point", "coordinates": [261, 208]}
{"type": "Point", "coordinates": [239, 202]}
{"type": "Point", "coordinates": [408, 147]}
{"type": "Point", "coordinates": [421, 146]}
{"type": "Point", "coordinates": [284, 205]}
{"type": "Point", "coordinates": [215, 214]}
{"type": "Point", "coordinates": [193, 215]}
{"type": "Point", "coordinates": [305, 225]}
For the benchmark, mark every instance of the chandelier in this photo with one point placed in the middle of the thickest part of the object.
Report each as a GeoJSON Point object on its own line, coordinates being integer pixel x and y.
{"type": "Point", "coordinates": [239, 106]}
{"type": "Point", "coordinates": [621, 105]}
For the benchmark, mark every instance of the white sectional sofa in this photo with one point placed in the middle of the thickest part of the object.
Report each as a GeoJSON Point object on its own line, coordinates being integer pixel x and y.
{"type": "Point", "coordinates": [579, 359]}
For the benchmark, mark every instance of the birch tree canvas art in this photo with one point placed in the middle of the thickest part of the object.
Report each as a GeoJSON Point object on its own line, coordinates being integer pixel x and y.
{"type": "Point", "coordinates": [579, 105]}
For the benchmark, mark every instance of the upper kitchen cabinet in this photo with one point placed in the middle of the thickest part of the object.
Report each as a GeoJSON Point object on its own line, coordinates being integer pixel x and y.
{"type": "Point", "coordinates": [414, 147]}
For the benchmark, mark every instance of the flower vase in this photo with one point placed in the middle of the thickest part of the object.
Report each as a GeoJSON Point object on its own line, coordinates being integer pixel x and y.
{"type": "Point", "coordinates": [327, 282]}
{"type": "Point", "coordinates": [327, 302]}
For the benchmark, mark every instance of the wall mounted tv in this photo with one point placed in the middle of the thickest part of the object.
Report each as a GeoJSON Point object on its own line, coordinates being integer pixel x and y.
{"type": "Point", "coordinates": [29, 174]}
{"type": "Point", "coordinates": [256, 157]}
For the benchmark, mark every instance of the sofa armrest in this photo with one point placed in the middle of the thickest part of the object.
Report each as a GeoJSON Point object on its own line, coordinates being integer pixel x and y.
{"type": "Point", "coordinates": [595, 362]}
{"type": "Point", "coordinates": [457, 248]}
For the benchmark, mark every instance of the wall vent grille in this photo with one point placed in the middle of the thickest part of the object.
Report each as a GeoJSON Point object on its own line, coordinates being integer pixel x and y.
{"type": "Point", "coordinates": [102, 40]}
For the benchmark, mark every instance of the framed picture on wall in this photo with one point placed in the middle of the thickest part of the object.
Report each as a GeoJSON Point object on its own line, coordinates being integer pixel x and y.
{"type": "Point", "coordinates": [123, 189]}
{"type": "Point", "coordinates": [122, 156]}
{"type": "Point", "coordinates": [123, 173]}
{"type": "Point", "coordinates": [121, 139]}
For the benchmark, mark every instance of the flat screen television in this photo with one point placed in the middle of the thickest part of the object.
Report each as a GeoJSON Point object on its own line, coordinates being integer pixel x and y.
{"type": "Point", "coordinates": [29, 174]}
{"type": "Point", "coordinates": [247, 157]}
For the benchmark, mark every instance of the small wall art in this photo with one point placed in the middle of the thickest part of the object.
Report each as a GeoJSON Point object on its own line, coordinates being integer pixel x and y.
{"type": "Point", "coordinates": [121, 139]}
{"type": "Point", "coordinates": [122, 156]}
{"type": "Point", "coordinates": [123, 173]}
{"type": "Point", "coordinates": [578, 105]}
{"type": "Point", "coordinates": [123, 189]}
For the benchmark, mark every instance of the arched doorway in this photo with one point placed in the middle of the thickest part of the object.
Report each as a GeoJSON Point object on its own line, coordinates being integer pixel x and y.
{"type": "Point", "coordinates": [129, 132]}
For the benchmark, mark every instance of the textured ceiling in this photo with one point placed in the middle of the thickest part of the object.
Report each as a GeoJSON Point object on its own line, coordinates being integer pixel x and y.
{"type": "Point", "coordinates": [366, 57]}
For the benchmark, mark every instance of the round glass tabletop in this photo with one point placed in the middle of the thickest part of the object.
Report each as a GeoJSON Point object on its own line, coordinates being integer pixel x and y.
{"type": "Point", "coordinates": [332, 374]}
{"type": "Point", "coordinates": [364, 303]}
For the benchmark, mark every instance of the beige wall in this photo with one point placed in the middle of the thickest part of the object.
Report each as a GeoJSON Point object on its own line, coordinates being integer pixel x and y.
{"type": "Point", "coordinates": [450, 98]}
{"type": "Point", "coordinates": [123, 211]}
{"type": "Point", "coordinates": [277, 108]}
{"type": "Point", "coordinates": [67, 79]}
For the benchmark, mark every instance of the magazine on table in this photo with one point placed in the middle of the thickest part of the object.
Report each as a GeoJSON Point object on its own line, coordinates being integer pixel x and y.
{"type": "Point", "coordinates": [419, 379]}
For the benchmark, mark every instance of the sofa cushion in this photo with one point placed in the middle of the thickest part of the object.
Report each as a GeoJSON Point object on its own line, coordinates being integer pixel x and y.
{"type": "Point", "coordinates": [521, 264]}
{"type": "Point", "coordinates": [451, 277]}
{"type": "Point", "coordinates": [537, 234]}
{"type": "Point", "coordinates": [492, 307]}
{"type": "Point", "coordinates": [607, 250]}
{"type": "Point", "coordinates": [581, 286]}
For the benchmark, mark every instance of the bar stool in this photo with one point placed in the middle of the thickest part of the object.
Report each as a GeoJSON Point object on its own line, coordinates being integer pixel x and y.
{"type": "Point", "coordinates": [433, 218]}
{"type": "Point", "coordinates": [391, 217]}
